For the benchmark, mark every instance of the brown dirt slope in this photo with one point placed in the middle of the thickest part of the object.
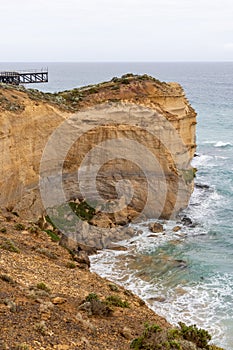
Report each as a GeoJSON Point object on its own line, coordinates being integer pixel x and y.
{"type": "Point", "coordinates": [41, 290]}
{"type": "Point", "coordinates": [50, 301]}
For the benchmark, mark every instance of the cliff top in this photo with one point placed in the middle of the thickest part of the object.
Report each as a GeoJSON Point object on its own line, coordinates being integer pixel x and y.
{"type": "Point", "coordinates": [131, 88]}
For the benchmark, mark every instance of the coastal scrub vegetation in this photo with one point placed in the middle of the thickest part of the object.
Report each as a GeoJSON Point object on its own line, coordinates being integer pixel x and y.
{"type": "Point", "coordinates": [182, 338]}
{"type": "Point", "coordinates": [111, 300]}
{"type": "Point", "coordinates": [115, 300]}
{"type": "Point", "coordinates": [19, 227]}
{"type": "Point", "coordinates": [54, 237]}
{"type": "Point", "coordinates": [94, 306]}
{"type": "Point", "coordinates": [43, 286]}
{"type": "Point", "coordinates": [82, 210]}
{"type": "Point", "coordinates": [34, 295]}
{"type": "Point", "coordinates": [92, 296]}
{"type": "Point", "coordinates": [71, 265]}
{"type": "Point", "coordinates": [72, 100]}
{"type": "Point", "coordinates": [9, 245]}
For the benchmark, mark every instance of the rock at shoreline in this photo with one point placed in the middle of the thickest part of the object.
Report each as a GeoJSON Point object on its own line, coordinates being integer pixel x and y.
{"type": "Point", "coordinates": [156, 227]}
{"type": "Point", "coordinates": [176, 228]}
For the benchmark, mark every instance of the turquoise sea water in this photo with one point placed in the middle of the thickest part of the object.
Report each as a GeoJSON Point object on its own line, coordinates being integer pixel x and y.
{"type": "Point", "coordinates": [200, 289]}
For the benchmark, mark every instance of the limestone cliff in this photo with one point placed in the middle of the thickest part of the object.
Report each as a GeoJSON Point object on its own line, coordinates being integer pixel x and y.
{"type": "Point", "coordinates": [129, 140]}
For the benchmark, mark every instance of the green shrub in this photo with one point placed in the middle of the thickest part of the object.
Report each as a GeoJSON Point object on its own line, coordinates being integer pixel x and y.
{"type": "Point", "coordinates": [127, 75]}
{"type": "Point", "coordinates": [125, 81]}
{"type": "Point", "coordinates": [41, 328]}
{"type": "Point", "coordinates": [115, 79]}
{"type": "Point", "coordinates": [7, 279]}
{"type": "Point", "coordinates": [113, 287]}
{"type": "Point", "coordinates": [175, 344]}
{"type": "Point", "coordinates": [115, 87]}
{"type": "Point", "coordinates": [46, 252]}
{"type": "Point", "coordinates": [52, 235]}
{"type": "Point", "coordinates": [71, 265]}
{"type": "Point", "coordinates": [19, 227]}
{"type": "Point", "coordinates": [92, 296]}
{"type": "Point", "coordinates": [83, 210]}
{"type": "Point", "coordinates": [93, 90]}
{"type": "Point", "coordinates": [115, 300]}
{"type": "Point", "coordinates": [9, 245]}
{"type": "Point", "coordinates": [42, 286]}
{"type": "Point", "coordinates": [196, 335]}
{"type": "Point", "coordinates": [33, 229]}
{"type": "Point", "coordinates": [185, 337]}
{"type": "Point", "coordinates": [47, 218]}
{"type": "Point", "coordinates": [137, 343]}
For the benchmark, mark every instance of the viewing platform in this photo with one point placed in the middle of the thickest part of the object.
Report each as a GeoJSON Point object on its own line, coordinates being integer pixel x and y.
{"type": "Point", "coordinates": [24, 77]}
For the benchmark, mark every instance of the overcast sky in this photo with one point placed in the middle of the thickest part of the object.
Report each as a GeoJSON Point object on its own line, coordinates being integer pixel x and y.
{"type": "Point", "coordinates": [116, 30]}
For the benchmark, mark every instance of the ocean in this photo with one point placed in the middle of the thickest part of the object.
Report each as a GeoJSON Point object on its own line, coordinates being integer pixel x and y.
{"type": "Point", "coordinates": [200, 290]}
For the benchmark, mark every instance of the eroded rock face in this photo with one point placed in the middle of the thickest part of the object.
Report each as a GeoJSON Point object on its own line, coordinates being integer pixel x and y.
{"type": "Point", "coordinates": [126, 146]}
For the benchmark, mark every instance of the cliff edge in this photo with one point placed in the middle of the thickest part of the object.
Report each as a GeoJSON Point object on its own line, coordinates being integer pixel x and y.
{"type": "Point", "coordinates": [130, 140]}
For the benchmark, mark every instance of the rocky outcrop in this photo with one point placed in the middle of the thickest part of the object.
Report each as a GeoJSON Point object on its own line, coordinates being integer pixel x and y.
{"type": "Point", "coordinates": [49, 300]}
{"type": "Point", "coordinates": [124, 146]}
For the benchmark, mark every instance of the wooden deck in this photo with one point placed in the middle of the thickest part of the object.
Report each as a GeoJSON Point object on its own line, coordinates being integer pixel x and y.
{"type": "Point", "coordinates": [23, 77]}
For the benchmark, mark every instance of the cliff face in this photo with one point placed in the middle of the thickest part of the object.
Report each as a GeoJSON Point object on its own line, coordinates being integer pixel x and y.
{"type": "Point", "coordinates": [125, 145]}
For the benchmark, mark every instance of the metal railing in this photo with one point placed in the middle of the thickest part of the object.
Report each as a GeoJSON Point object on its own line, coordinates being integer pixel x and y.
{"type": "Point", "coordinates": [24, 76]}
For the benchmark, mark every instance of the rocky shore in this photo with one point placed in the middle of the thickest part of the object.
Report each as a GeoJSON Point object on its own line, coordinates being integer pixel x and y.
{"type": "Point", "coordinates": [50, 300]}
{"type": "Point", "coordinates": [48, 297]}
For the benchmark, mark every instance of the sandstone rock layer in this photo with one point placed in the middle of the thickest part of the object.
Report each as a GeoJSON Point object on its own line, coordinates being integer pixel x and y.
{"type": "Point", "coordinates": [125, 145]}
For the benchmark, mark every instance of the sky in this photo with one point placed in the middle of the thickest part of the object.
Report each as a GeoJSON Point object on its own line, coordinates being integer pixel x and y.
{"type": "Point", "coordinates": [116, 30]}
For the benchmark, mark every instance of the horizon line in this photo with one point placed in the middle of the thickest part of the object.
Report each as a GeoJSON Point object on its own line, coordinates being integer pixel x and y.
{"type": "Point", "coordinates": [199, 61]}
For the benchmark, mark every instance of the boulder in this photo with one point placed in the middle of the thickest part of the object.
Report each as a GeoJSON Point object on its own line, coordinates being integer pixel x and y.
{"type": "Point", "coordinates": [102, 220]}
{"type": "Point", "coordinates": [156, 227]}
{"type": "Point", "coordinates": [176, 228]}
